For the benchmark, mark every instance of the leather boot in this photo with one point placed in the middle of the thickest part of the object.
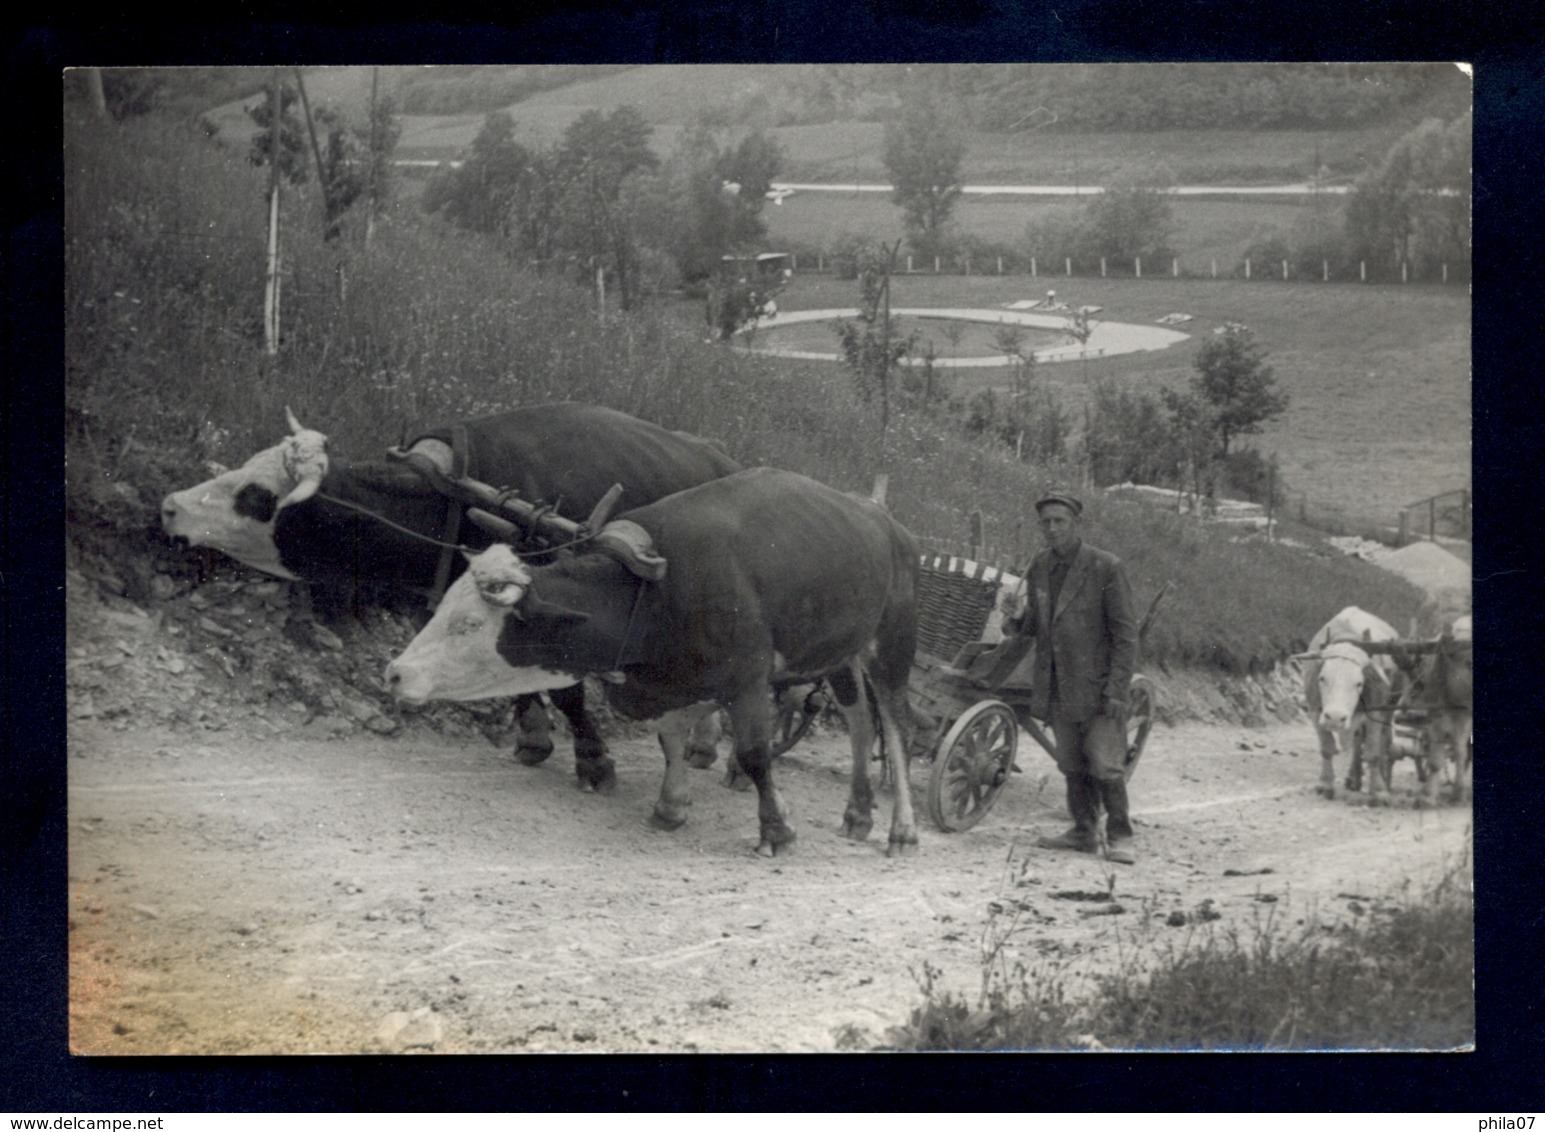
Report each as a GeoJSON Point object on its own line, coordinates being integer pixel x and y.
{"type": "Point", "coordinates": [1118, 822]}
{"type": "Point", "coordinates": [1084, 806]}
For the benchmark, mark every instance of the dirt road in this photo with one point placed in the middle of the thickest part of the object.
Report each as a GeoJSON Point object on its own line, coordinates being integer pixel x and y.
{"type": "Point", "coordinates": [235, 893]}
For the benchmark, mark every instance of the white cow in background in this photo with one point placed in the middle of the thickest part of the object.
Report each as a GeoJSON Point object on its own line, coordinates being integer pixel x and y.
{"type": "Point", "coordinates": [1348, 694]}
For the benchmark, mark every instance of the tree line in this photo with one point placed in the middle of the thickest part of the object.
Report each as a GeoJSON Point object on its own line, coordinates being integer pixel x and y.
{"type": "Point", "coordinates": [601, 201]}
{"type": "Point", "coordinates": [1411, 211]}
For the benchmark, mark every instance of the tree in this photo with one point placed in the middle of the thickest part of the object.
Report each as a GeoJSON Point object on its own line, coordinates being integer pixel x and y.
{"type": "Point", "coordinates": [600, 158]}
{"type": "Point", "coordinates": [716, 198]}
{"type": "Point", "coordinates": [1235, 383]}
{"type": "Point", "coordinates": [1193, 433]}
{"type": "Point", "coordinates": [1129, 220]}
{"type": "Point", "coordinates": [871, 346]}
{"type": "Point", "coordinates": [1127, 437]}
{"type": "Point", "coordinates": [293, 157]}
{"type": "Point", "coordinates": [479, 196]}
{"type": "Point", "coordinates": [1415, 206]}
{"type": "Point", "coordinates": [924, 148]}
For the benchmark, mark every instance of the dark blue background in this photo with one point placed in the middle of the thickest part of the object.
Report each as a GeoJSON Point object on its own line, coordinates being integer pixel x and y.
{"type": "Point", "coordinates": [1503, 41]}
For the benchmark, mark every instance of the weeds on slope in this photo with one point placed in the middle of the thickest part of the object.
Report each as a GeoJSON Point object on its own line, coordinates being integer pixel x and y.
{"type": "Point", "coordinates": [1398, 977]}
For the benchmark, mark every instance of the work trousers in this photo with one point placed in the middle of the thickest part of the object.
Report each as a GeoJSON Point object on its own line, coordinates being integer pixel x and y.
{"type": "Point", "coordinates": [1091, 754]}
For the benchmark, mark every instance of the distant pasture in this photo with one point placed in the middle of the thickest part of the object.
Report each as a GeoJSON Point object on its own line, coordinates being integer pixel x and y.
{"type": "Point", "coordinates": [1379, 375]}
{"type": "Point", "coordinates": [1204, 230]}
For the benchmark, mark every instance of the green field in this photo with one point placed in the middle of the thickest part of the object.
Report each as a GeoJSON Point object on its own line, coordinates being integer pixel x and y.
{"type": "Point", "coordinates": [1204, 229]}
{"type": "Point", "coordinates": [1379, 375]}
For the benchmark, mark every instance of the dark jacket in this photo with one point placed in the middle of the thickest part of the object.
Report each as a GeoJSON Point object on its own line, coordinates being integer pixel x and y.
{"type": "Point", "coordinates": [1092, 635]}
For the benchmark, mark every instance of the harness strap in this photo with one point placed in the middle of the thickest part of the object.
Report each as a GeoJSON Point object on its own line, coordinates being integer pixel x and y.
{"type": "Point", "coordinates": [627, 632]}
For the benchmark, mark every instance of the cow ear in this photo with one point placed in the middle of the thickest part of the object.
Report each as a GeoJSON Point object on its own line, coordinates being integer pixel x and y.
{"type": "Point", "coordinates": [1373, 674]}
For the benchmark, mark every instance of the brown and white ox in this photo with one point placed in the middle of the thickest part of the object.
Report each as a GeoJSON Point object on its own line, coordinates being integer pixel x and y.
{"type": "Point", "coordinates": [1349, 694]}
{"type": "Point", "coordinates": [294, 511]}
{"type": "Point", "coordinates": [769, 576]}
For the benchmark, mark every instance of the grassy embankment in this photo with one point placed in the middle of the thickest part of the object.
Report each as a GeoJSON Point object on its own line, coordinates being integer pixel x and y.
{"type": "Point", "coordinates": [1400, 977]}
{"type": "Point", "coordinates": [165, 371]}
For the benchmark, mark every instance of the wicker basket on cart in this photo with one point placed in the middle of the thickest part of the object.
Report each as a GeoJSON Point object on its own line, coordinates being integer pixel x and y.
{"type": "Point", "coordinates": [954, 600]}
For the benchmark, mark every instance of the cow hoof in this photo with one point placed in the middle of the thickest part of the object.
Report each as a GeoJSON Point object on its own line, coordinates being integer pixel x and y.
{"type": "Point", "coordinates": [737, 779]}
{"type": "Point", "coordinates": [701, 758]}
{"type": "Point", "coordinates": [1378, 801]}
{"type": "Point", "coordinates": [597, 774]}
{"type": "Point", "coordinates": [589, 749]}
{"type": "Point", "coordinates": [777, 840]}
{"type": "Point", "coordinates": [665, 823]}
{"type": "Point", "coordinates": [856, 828]}
{"type": "Point", "coordinates": [902, 846]}
{"type": "Point", "coordinates": [531, 755]}
{"type": "Point", "coordinates": [1325, 791]}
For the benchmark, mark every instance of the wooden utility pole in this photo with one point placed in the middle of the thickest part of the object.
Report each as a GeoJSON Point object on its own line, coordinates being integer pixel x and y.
{"type": "Point", "coordinates": [885, 340]}
{"type": "Point", "coordinates": [271, 290]}
{"type": "Point", "coordinates": [316, 154]}
{"type": "Point", "coordinates": [374, 201]}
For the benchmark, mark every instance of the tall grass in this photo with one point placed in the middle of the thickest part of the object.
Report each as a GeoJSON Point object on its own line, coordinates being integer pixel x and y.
{"type": "Point", "coordinates": [166, 370]}
{"type": "Point", "coordinates": [1398, 976]}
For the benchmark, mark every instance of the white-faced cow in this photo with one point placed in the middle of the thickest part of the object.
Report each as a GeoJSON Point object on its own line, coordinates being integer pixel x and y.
{"type": "Point", "coordinates": [770, 577]}
{"type": "Point", "coordinates": [292, 511]}
{"type": "Point", "coordinates": [1348, 694]}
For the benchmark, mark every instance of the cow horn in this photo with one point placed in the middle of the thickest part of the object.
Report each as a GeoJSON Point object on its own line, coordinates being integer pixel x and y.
{"type": "Point", "coordinates": [1307, 656]}
{"type": "Point", "coordinates": [305, 460]}
{"type": "Point", "coordinates": [303, 491]}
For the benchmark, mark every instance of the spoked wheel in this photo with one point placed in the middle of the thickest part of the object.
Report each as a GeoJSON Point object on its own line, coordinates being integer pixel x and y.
{"type": "Point", "coordinates": [794, 711]}
{"type": "Point", "coordinates": [1139, 720]}
{"type": "Point", "coordinates": [973, 764]}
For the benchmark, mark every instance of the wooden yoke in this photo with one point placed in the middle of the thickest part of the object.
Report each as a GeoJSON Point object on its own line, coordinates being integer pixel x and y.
{"type": "Point", "coordinates": [504, 513]}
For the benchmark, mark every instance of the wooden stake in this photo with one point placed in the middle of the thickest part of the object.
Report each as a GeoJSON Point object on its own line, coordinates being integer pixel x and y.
{"type": "Point", "coordinates": [271, 287]}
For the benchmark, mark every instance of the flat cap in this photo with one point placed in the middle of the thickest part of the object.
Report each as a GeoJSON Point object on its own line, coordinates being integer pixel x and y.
{"type": "Point", "coordinates": [1066, 498]}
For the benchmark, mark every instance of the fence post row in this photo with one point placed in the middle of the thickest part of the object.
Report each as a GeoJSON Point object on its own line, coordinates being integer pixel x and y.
{"type": "Point", "coordinates": [964, 264]}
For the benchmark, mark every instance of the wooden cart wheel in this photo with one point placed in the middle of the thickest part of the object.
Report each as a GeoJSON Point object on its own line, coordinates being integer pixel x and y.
{"type": "Point", "coordinates": [1139, 720]}
{"type": "Point", "coordinates": [973, 764]}
{"type": "Point", "coordinates": [794, 711]}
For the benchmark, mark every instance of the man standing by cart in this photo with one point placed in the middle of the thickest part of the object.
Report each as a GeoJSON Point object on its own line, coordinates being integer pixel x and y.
{"type": "Point", "coordinates": [1079, 610]}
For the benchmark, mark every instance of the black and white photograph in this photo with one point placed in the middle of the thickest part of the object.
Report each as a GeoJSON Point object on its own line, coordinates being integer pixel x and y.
{"type": "Point", "coordinates": [756, 558]}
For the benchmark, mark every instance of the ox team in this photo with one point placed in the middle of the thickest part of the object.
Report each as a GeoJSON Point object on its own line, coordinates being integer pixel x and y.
{"type": "Point", "coordinates": [293, 512]}
{"type": "Point", "coordinates": [705, 592]}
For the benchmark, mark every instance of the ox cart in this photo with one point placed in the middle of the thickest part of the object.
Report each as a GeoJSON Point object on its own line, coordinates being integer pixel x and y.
{"type": "Point", "coordinates": [969, 700]}
{"type": "Point", "coordinates": [967, 712]}
{"type": "Point", "coordinates": [1432, 707]}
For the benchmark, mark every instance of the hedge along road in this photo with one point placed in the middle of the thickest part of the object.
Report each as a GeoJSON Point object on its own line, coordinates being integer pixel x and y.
{"type": "Point", "coordinates": [1106, 339]}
